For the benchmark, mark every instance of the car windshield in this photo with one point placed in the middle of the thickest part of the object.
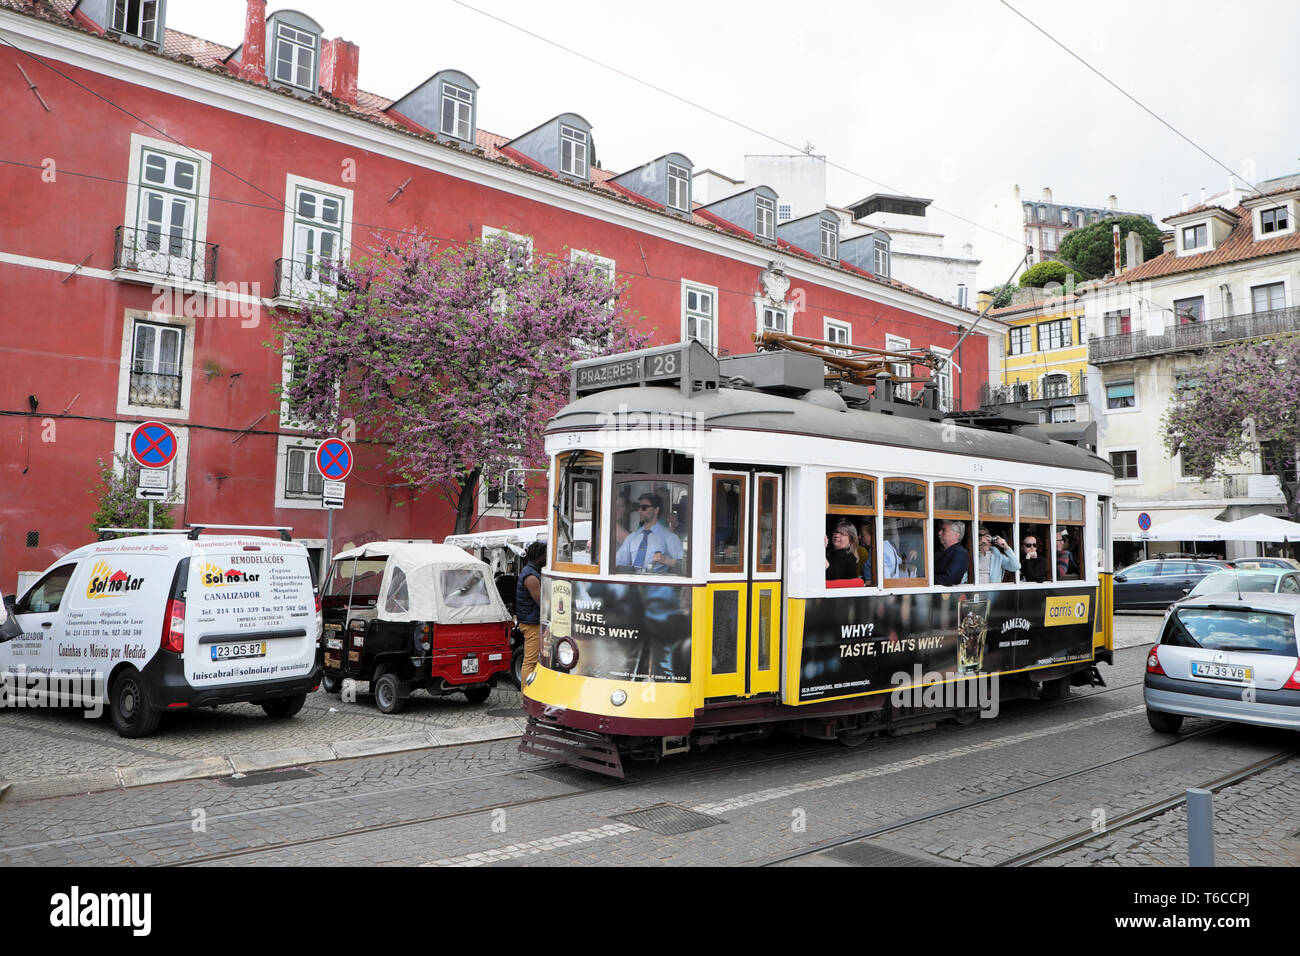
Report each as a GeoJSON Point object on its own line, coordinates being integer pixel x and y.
{"type": "Point", "coordinates": [1227, 629]}
{"type": "Point", "coordinates": [1226, 582]}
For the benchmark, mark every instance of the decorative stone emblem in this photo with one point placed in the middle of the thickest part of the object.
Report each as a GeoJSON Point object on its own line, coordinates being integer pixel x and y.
{"type": "Point", "coordinates": [775, 282]}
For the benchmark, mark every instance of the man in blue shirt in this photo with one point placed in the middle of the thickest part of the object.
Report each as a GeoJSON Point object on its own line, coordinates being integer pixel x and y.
{"type": "Point", "coordinates": [651, 547]}
{"type": "Point", "coordinates": [953, 561]}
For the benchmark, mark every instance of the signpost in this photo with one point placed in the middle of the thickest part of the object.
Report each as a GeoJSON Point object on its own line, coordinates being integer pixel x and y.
{"type": "Point", "coordinates": [153, 446]}
{"type": "Point", "coordinates": [334, 462]}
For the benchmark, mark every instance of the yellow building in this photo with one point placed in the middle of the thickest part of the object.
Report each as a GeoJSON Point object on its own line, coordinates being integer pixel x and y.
{"type": "Point", "coordinates": [1045, 359]}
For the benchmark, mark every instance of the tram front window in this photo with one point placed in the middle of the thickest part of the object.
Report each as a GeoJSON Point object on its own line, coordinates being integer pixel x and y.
{"type": "Point", "coordinates": [651, 520]}
{"type": "Point", "coordinates": [577, 493]}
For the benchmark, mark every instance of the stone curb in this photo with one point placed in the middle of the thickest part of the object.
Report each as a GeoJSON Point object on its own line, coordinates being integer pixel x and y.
{"type": "Point", "coordinates": [121, 778]}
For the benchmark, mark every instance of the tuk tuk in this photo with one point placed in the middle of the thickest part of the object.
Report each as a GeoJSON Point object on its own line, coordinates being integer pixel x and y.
{"type": "Point", "coordinates": [403, 616]}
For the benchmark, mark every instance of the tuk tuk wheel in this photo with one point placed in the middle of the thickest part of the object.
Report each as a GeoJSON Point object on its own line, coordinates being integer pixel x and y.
{"type": "Point", "coordinates": [476, 695]}
{"type": "Point", "coordinates": [517, 667]}
{"type": "Point", "coordinates": [331, 683]}
{"type": "Point", "coordinates": [390, 693]}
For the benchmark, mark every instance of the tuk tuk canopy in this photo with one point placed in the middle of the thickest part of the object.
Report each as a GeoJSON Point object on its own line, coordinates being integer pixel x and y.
{"type": "Point", "coordinates": [427, 582]}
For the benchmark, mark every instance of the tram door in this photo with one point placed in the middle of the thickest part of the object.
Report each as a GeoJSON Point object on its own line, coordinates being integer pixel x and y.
{"type": "Point", "coordinates": [744, 594]}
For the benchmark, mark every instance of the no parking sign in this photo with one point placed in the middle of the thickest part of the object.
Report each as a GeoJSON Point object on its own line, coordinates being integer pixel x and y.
{"type": "Point", "coordinates": [334, 459]}
{"type": "Point", "coordinates": [152, 445]}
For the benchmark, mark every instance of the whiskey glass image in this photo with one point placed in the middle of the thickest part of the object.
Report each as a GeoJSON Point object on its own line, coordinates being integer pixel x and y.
{"type": "Point", "coordinates": [972, 635]}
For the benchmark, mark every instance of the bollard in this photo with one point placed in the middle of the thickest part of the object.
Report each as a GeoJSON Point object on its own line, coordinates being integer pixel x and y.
{"type": "Point", "coordinates": [1200, 827]}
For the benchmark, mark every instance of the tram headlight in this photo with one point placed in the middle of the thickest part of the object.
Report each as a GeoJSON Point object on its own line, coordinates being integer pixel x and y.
{"type": "Point", "coordinates": [618, 698]}
{"type": "Point", "coordinates": [566, 653]}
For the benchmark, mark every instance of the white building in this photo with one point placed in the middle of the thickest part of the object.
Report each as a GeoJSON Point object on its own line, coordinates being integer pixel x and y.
{"type": "Point", "coordinates": [1227, 274]}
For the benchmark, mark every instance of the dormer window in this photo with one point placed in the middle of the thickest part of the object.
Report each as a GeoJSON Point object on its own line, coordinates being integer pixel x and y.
{"type": "Point", "coordinates": [457, 108]}
{"type": "Point", "coordinates": [1273, 220]}
{"type": "Point", "coordinates": [295, 57]}
{"type": "Point", "coordinates": [830, 241]}
{"type": "Point", "coordinates": [679, 187]}
{"type": "Point", "coordinates": [1196, 236]}
{"type": "Point", "coordinates": [764, 217]}
{"type": "Point", "coordinates": [882, 259]}
{"type": "Point", "coordinates": [573, 151]}
{"type": "Point", "coordinates": [137, 18]}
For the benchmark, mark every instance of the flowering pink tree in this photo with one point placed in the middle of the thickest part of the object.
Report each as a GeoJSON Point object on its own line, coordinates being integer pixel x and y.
{"type": "Point", "coordinates": [455, 355]}
{"type": "Point", "coordinates": [1245, 398]}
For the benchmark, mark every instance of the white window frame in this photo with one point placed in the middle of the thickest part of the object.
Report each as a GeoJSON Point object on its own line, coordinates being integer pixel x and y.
{"type": "Point", "coordinates": [298, 47]}
{"type": "Point", "coordinates": [578, 144]}
{"type": "Point", "coordinates": [525, 241]}
{"type": "Point", "coordinates": [179, 467]}
{"type": "Point", "coordinates": [601, 263]}
{"type": "Point", "coordinates": [833, 330]}
{"type": "Point", "coordinates": [1105, 397]}
{"type": "Point", "coordinates": [700, 288]}
{"type": "Point", "coordinates": [1054, 373]}
{"type": "Point", "coordinates": [1137, 460]}
{"type": "Point", "coordinates": [1269, 285]}
{"type": "Point", "coordinates": [1068, 323]}
{"type": "Point", "coordinates": [135, 186]}
{"type": "Point", "coordinates": [1290, 222]}
{"type": "Point", "coordinates": [882, 258]}
{"type": "Point", "coordinates": [947, 401]}
{"type": "Point", "coordinates": [830, 240]}
{"type": "Point", "coordinates": [895, 343]}
{"type": "Point", "coordinates": [679, 187]}
{"type": "Point", "coordinates": [462, 101]}
{"type": "Point", "coordinates": [1192, 228]}
{"type": "Point", "coordinates": [764, 215]}
{"type": "Point", "coordinates": [283, 445]}
{"type": "Point", "coordinates": [1011, 339]}
{"type": "Point", "coordinates": [186, 325]}
{"type": "Point", "coordinates": [120, 25]}
{"type": "Point", "coordinates": [1072, 409]}
{"type": "Point", "coordinates": [773, 318]}
{"type": "Point", "coordinates": [288, 248]}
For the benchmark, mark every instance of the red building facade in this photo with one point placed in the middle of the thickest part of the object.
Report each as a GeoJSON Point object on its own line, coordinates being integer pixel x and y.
{"type": "Point", "coordinates": [161, 199]}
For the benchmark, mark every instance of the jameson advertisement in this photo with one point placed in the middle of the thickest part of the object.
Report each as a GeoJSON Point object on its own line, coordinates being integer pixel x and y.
{"type": "Point", "coordinates": [639, 632]}
{"type": "Point", "coordinates": [857, 645]}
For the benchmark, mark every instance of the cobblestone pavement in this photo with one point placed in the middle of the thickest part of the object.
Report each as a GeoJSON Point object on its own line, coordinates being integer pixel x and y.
{"type": "Point", "coordinates": [54, 752]}
{"type": "Point", "coordinates": [751, 803]}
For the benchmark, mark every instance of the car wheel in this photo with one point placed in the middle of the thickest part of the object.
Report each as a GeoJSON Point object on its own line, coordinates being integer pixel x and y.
{"type": "Point", "coordinates": [132, 713]}
{"type": "Point", "coordinates": [1163, 723]}
{"type": "Point", "coordinates": [390, 693]}
{"type": "Point", "coordinates": [332, 683]}
{"type": "Point", "coordinates": [476, 695]}
{"type": "Point", "coordinates": [285, 706]}
{"type": "Point", "coordinates": [517, 667]}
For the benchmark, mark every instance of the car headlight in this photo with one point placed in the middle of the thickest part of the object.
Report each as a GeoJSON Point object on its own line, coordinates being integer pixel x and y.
{"type": "Point", "coordinates": [566, 653]}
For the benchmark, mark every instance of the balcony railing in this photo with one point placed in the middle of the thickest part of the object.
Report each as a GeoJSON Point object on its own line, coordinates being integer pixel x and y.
{"type": "Point", "coordinates": [159, 389]}
{"type": "Point", "coordinates": [1193, 335]}
{"type": "Point", "coordinates": [156, 254]}
{"type": "Point", "coordinates": [304, 279]}
{"type": "Point", "coordinates": [1045, 392]}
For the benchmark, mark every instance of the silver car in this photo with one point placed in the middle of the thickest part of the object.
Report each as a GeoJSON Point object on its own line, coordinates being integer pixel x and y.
{"type": "Point", "coordinates": [1226, 658]}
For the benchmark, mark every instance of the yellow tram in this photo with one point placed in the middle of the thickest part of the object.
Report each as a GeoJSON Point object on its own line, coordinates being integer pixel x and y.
{"type": "Point", "coordinates": [736, 547]}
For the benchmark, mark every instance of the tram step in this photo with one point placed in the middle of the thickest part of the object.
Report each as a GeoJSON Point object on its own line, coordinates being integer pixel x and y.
{"type": "Point", "coordinates": [595, 752]}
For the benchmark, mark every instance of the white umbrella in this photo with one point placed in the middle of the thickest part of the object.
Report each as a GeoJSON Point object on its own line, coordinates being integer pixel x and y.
{"type": "Point", "coordinates": [1263, 528]}
{"type": "Point", "coordinates": [1190, 528]}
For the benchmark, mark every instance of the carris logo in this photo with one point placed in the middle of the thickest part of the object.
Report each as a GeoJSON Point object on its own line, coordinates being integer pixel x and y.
{"type": "Point", "coordinates": [215, 577]}
{"type": "Point", "coordinates": [107, 582]}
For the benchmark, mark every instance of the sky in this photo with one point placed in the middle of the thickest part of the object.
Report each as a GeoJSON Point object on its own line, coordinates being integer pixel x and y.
{"type": "Point", "coordinates": [953, 100]}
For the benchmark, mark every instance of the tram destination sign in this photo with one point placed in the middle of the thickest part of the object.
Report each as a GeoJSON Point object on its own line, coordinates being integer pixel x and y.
{"type": "Point", "coordinates": [688, 364]}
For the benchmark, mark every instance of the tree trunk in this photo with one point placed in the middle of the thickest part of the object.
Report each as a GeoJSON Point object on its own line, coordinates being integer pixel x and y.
{"type": "Point", "coordinates": [465, 503]}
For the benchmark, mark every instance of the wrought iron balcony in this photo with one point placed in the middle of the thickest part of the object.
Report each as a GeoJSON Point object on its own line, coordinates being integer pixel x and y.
{"type": "Point", "coordinates": [159, 389]}
{"type": "Point", "coordinates": [1051, 389]}
{"type": "Point", "coordinates": [1193, 335]}
{"type": "Point", "coordinates": [305, 279]}
{"type": "Point", "coordinates": [154, 254]}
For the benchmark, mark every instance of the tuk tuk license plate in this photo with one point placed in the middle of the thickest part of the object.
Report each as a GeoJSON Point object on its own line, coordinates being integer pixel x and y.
{"type": "Point", "coordinates": [1221, 671]}
{"type": "Point", "coordinates": [469, 665]}
{"type": "Point", "coordinates": [334, 643]}
{"type": "Point", "coordinates": [229, 652]}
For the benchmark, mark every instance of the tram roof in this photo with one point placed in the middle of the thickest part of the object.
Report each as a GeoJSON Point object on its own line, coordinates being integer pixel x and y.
{"type": "Point", "coordinates": [819, 414]}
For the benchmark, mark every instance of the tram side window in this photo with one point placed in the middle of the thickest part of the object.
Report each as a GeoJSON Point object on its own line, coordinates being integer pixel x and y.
{"type": "Point", "coordinates": [850, 530]}
{"type": "Point", "coordinates": [953, 513]}
{"type": "Point", "coordinates": [651, 522]}
{"type": "Point", "coordinates": [1070, 538]}
{"type": "Point", "coordinates": [903, 546]}
{"type": "Point", "coordinates": [1035, 536]}
{"type": "Point", "coordinates": [996, 557]}
{"type": "Point", "coordinates": [577, 520]}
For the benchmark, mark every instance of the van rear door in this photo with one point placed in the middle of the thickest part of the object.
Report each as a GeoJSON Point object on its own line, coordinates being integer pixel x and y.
{"type": "Point", "coordinates": [250, 612]}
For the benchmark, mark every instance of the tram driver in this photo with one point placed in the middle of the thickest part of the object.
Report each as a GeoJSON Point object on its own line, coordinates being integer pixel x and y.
{"type": "Point", "coordinates": [652, 547]}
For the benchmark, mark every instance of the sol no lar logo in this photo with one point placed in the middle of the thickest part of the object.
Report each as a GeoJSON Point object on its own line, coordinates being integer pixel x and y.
{"type": "Point", "coordinates": [107, 582]}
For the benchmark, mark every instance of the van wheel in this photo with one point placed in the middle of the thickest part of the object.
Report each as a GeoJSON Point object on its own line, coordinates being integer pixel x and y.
{"type": "Point", "coordinates": [390, 693]}
{"type": "Point", "coordinates": [517, 668]}
{"type": "Point", "coordinates": [332, 683]}
{"type": "Point", "coordinates": [476, 695]}
{"type": "Point", "coordinates": [1163, 723]}
{"type": "Point", "coordinates": [132, 713]}
{"type": "Point", "coordinates": [285, 706]}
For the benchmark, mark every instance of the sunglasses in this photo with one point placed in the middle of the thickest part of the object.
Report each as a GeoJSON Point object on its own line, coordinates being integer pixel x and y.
{"type": "Point", "coordinates": [644, 507]}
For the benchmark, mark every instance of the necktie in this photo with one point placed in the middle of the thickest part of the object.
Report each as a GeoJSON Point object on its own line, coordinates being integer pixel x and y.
{"type": "Point", "coordinates": [639, 560]}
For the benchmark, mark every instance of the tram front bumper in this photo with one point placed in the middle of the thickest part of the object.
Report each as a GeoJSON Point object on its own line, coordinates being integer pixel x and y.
{"type": "Point", "coordinates": [555, 716]}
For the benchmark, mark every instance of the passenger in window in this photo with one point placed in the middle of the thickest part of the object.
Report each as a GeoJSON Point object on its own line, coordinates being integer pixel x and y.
{"type": "Point", "coordinates": [652, 548]}
{"type": "Point", "coordinates": [1033, 566]}
{"type": "Point", "coordinates": [867, 551]}
{"type": "Point", "coordinates": [953, 560]}
{"type": "Point", "coordinates": [621, 508]}
{"type": "Point", "coordinates": [995, 557]}
{"type": "Point", "coordinates": [1066, 566]}
{"type": "Point", "coordinates": [892, 562]}
{"type": "Point", "coordinates": [679, 522]}
{"type": "Point", "coordinates": [842, 553]}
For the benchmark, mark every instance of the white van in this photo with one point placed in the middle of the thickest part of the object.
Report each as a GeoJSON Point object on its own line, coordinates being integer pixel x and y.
{"type": "Point", "coordinates": [164, 622]}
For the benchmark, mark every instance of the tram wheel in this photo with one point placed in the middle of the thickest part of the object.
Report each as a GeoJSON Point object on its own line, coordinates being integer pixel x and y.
{"type": "Point", "coordinates": [853, 738]}
{"type": "Point", "coordinates": [1058, 689]}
